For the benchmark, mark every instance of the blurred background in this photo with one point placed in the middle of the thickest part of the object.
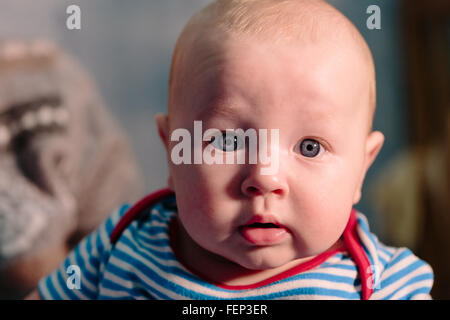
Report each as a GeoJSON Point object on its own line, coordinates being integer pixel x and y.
{"type": "Point", "coordinates": [127, 47]}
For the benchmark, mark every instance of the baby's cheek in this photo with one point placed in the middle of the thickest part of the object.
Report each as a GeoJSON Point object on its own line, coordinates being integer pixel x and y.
{"type": "Point", "coordinates": [321, 221]}
{"type": "Point", "coordinates": [333, 198]}
{"type": "Point", "coordinates": [203, 211]}
{"type": "Point", "coordinates": [324, 236]}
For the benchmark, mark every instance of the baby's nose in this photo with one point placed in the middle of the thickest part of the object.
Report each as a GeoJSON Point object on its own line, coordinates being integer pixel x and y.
{"type": "Point", "coordinates": [257, 184]}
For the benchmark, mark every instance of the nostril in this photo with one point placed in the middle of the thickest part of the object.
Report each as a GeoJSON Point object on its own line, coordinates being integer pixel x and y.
{"type": "Point", "coordinates": [253, 190]}
{"type": "Point", "coordinates": [278, 192]}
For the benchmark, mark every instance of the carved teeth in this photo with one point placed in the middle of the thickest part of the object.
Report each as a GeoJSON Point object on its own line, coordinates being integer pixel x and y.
{"type": "Point", "coordinates": [45, 115]}
{"type": "Point", "coordinates": [5, 136]}
{"type": "Point", "coordinates": [28, 121]}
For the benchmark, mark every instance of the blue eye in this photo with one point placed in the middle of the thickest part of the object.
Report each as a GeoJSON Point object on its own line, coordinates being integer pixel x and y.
{"type": "Point", "coordinates": [229, 141]}
{"type": "Point", "coordinates": [310, 148]}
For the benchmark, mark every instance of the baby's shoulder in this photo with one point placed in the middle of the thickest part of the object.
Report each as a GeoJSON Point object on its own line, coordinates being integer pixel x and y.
{"type": "Point", "coordinates": [400, 274]}
{"type": "Point", "coordinates": [397, 273]}
{"type": "Point", "coordinates": [153, 212]}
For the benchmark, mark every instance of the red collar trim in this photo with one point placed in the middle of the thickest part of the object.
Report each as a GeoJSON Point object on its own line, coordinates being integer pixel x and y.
{"type": "Point", "coordinates": [356, 250]}
{"type": "Point", "coordinates": [136, 210]}
{"type": "Point", "coordinates": [350, 237]}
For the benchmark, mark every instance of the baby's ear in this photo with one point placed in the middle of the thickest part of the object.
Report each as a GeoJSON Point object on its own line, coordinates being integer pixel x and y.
{"type": "Point", "coordinates": [374, 143]}
{"type": "Point", "coordinates": [162, 122]}
{"type": "Point", "coordinates": [373, 146]}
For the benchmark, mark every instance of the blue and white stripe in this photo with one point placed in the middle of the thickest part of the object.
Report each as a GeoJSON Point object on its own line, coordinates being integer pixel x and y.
{"type": "Point", "coordinates": [142, 265]}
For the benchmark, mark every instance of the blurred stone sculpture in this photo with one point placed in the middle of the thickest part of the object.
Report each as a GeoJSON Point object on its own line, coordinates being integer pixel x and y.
{"type": "Point", "coordinates": [64, 163]}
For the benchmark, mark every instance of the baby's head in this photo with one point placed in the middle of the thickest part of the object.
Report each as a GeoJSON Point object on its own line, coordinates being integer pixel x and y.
{"type": "Point", "coordinates": [298, 66]}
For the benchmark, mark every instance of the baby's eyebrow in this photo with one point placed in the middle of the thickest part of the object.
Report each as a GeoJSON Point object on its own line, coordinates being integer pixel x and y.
{"type": "Point", "coordinates": [219, 110]}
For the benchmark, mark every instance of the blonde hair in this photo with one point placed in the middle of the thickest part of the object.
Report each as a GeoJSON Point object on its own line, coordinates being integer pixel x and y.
{"type": "Point", "coordinates": [277, 21]}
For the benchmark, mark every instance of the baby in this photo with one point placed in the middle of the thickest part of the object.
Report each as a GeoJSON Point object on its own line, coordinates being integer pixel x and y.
{"type": "Point", "coordinates": [226, 230]}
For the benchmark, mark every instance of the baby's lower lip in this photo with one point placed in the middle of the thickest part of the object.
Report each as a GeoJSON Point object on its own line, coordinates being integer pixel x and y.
{"type": "Point", "coordinates": [263, 236]}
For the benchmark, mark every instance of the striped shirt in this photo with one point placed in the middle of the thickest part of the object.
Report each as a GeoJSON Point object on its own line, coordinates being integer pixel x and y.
{"type": "Point", "coordinates": [140, 263]}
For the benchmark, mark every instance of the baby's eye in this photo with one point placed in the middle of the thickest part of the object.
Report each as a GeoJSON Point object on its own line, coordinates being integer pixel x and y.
{"type": "Point", "coordinates": [310, 148]}
{"type": "Point", "coordinates": [228, 141]}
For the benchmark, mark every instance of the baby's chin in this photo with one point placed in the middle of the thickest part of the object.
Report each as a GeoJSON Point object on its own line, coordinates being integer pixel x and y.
{"type": "Point", "coordinates": [262, 259]}
{"type": "Point", "coordinates": [263, 265]}
{"type": "Point", "coordinates": [276, 257]}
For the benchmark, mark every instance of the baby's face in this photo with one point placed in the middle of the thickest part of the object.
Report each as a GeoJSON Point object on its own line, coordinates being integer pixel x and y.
{"type": "Point", "coordinates": [318, 100]}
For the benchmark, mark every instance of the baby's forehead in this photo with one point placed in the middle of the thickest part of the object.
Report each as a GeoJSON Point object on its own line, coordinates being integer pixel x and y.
{"type": "Point", "coordinates": [206, 53]}
{"type": "Point", "coordinates": [244, 64]}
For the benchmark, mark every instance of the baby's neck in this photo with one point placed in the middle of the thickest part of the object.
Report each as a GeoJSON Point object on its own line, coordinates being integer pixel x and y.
{"type": "Point", "coordinates": [216, 269]}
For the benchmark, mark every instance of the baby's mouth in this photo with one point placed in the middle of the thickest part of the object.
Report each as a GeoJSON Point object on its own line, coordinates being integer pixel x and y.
{"type": "Point", "coordinates": [260, 233]}
{"type": "Point", "coordinates": [262, 225]}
